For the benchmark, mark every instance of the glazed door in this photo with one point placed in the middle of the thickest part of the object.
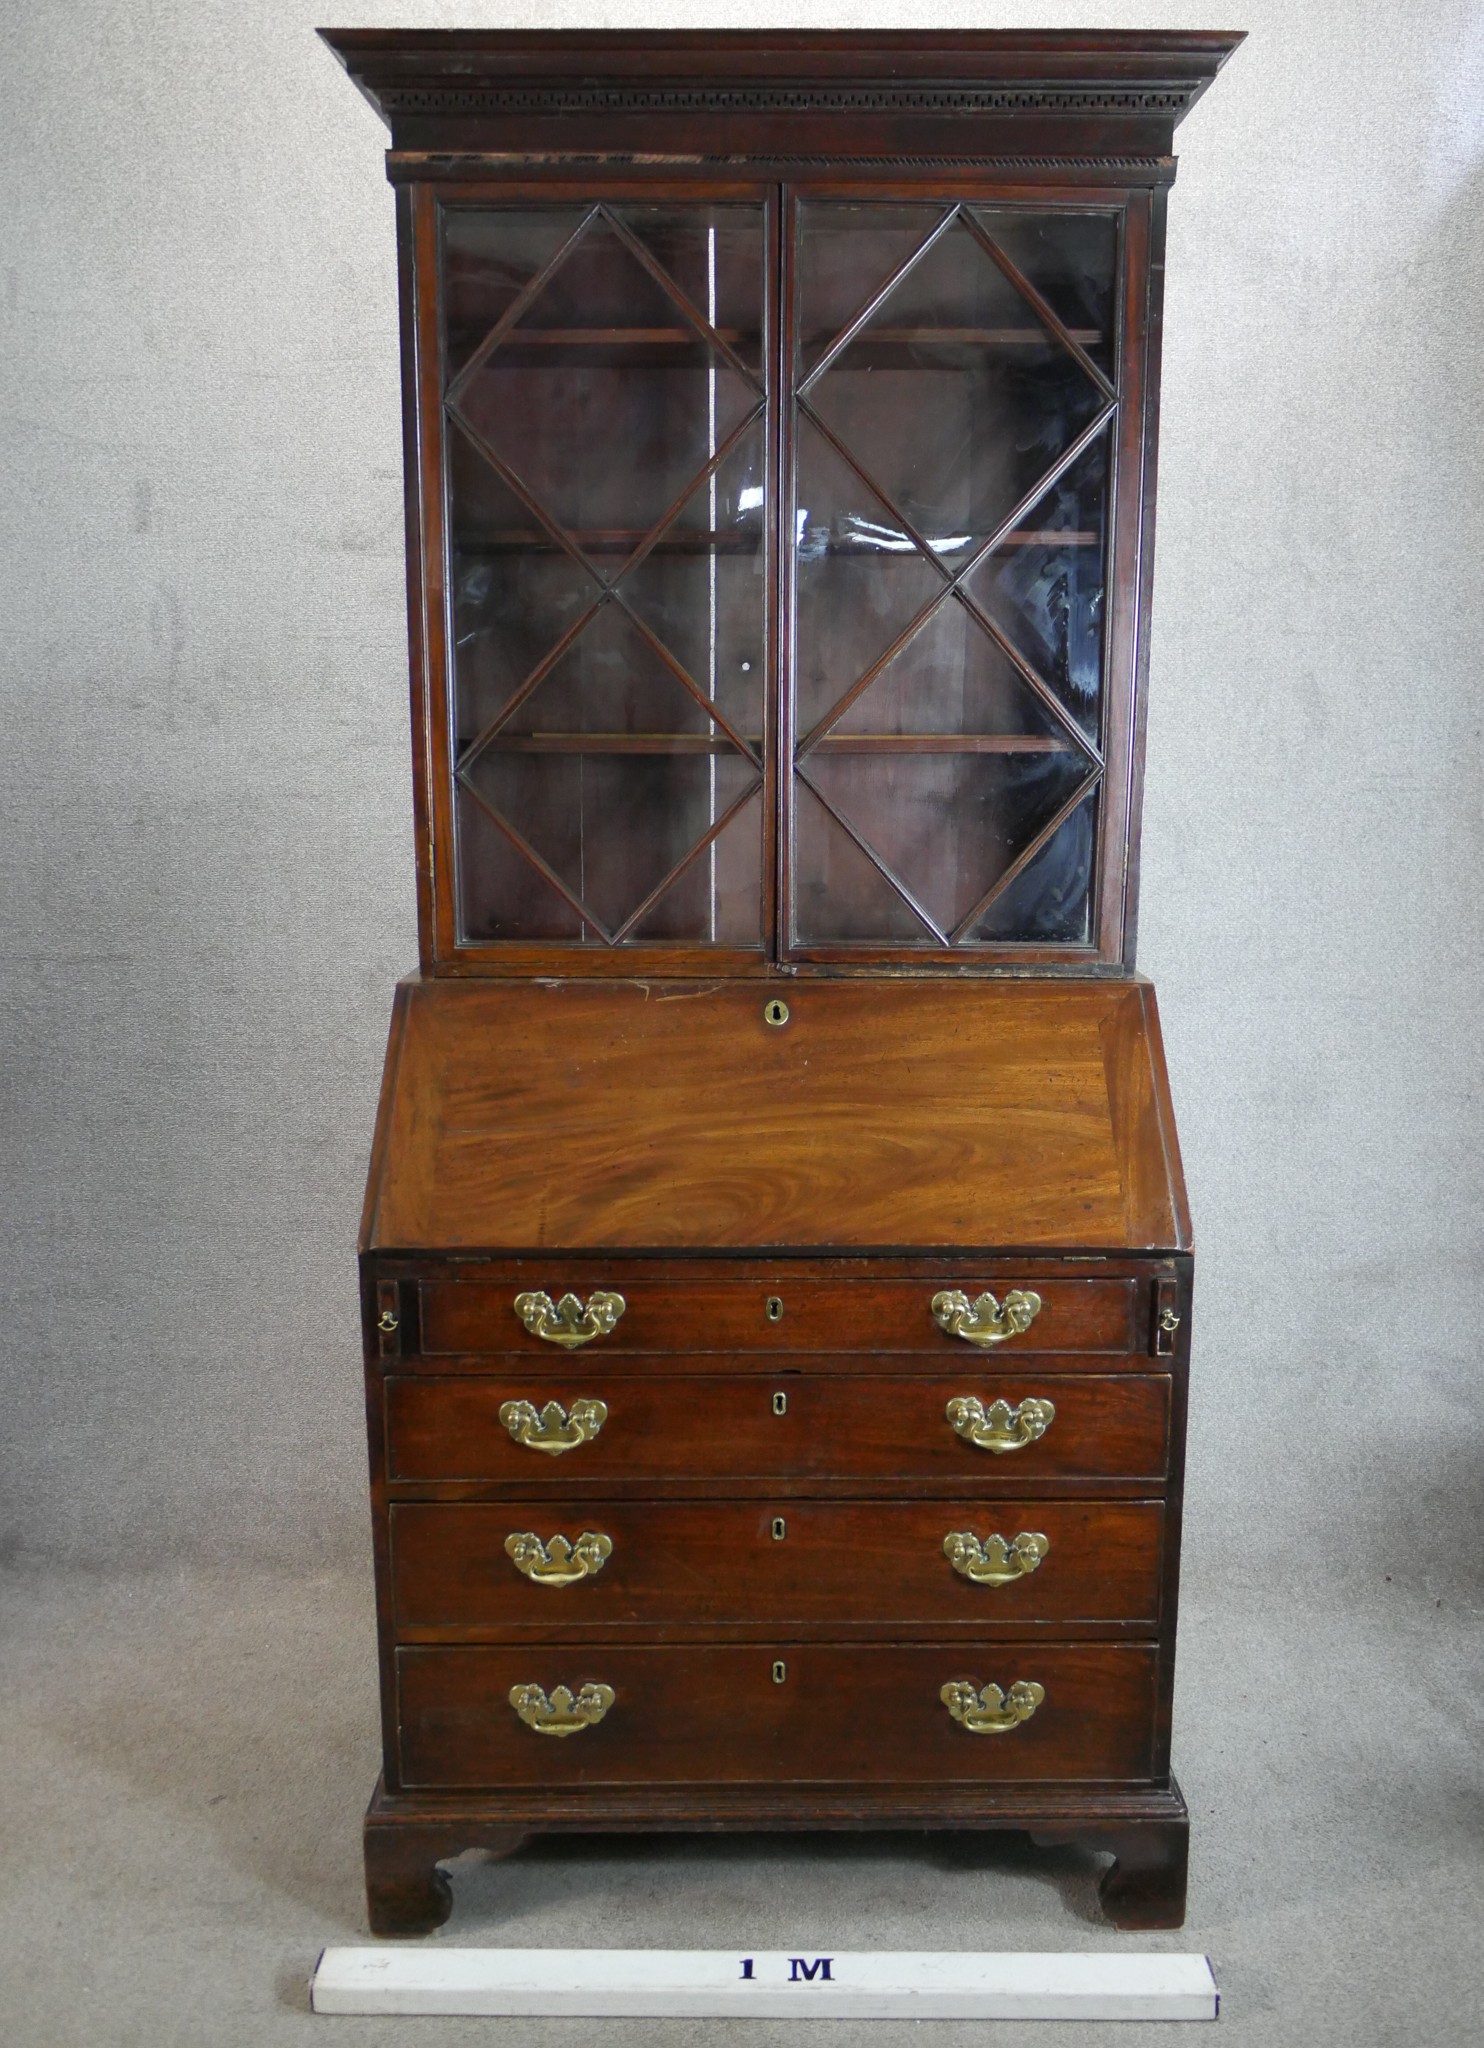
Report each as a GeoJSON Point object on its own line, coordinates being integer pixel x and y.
{"type": "Point", "coordinates": [606, 459]}
{"type": "Point", "coordinates": [953, 434]}
{"type": "Point", "coordinates": [714, 682]}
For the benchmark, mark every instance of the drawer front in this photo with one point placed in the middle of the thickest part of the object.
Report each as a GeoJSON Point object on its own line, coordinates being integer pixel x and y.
{"type": "Point", "coordinates": [769, 1315]}
{"type": "Point", "coordinates": [786, 1427]}
{"type": "Point", "coordinates": [785, 1713]}
{"type": "Point", "coordinates": [720, 1563]}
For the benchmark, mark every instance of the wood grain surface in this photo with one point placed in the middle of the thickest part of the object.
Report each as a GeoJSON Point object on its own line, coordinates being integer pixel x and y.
{"type": "Point", "coordinates": [764, 1565]}
{"type": "Point", "coordinates": [863, 1315]}
{"type": "Point", "coordinates": [883, 1115]}
{"type": "Point", "coordinates": [863, 1714]}
{"type": "Point", "coordinates": [724, 1427]}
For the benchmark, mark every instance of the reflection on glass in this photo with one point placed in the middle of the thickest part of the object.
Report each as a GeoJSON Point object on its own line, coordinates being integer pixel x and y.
{"type": "Point", "coordinates": [948, 826]}
{"type": "Point", "coordinates": [949, 571]}
{"type": "Point", "coordinates": [606, 485]}
{"type": "Point", "coordinates": [1071, 259]}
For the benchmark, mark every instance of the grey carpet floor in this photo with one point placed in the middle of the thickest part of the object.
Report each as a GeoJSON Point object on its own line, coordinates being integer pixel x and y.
{"type": "Point", "coordinates": [186, 1758]}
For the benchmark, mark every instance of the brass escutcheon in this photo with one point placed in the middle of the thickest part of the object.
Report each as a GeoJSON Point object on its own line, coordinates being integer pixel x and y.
{"type": "Point", "coordinates": [553, 1430]}
{"type": "Point", "coordinates": [773, 1308]}
{"type": "Point", "coordinates": [985, 1321]}
{"type": "Point", "coordinates": [556, 1562]}
{"type": "Point", "coordinates": [994, 1562]}
{"type": "Point", "coordinates": [780, 1404]}
{"type": "Point", "coordinates": [567, 1322]}
{"type": "Point", "coordinates": [775, 1012]}
{"type": "Point", "coordinates": [561, 1714]}
{"type": "Point", "coordinates": [999, 1427]}
{"type": "Point", "coordinates": [990, 1711]}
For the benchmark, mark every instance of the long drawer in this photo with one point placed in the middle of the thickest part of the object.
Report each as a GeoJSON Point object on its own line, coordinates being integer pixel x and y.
{"type": "Point", "coordinates": [776, 1314]}
{"type": "Point", "coordinates": [582, 1427]}
{"type": "Point", "coordinates": [790, 1713]}
{"type": "Point", "coordinates": [589, 1565]}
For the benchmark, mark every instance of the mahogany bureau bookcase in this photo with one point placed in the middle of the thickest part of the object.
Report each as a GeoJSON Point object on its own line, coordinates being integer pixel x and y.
{"type": "Point", "coordinates": [775, 1263]}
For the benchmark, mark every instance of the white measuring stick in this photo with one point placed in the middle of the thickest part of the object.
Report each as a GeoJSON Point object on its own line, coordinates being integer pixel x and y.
{"type": "Point", "coordinates": [600, 1983]}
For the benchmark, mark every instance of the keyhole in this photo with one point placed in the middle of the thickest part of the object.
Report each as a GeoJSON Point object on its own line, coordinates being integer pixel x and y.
{"type": "Point", "coordinates": [780, 1672]}
{"type": "Point", "coordinates": [773, 1308]}
{"type": "Point", "coordinates": [780, 1404]}
{"type": "Point", "coordinates": [780, 1528]}
{"type": "Point", "coordinates": [775, 1012]}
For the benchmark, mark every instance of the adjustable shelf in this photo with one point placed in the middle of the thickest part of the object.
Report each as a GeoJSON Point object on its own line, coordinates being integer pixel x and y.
{"type": "Point", "coordinates": [531, 540]}
{"type": "Point", "coordinates": [831, 743]}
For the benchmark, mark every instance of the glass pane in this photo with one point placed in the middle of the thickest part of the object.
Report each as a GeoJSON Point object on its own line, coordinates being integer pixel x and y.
{"type": "Point", "coordinates": [839, 895]}
{"type": "Point", "coordinates": [489, 259]}
{"type": "Point", "coordinates": [953, 398]}
{"type": "Point", "coordinates": [712, 253]}
{"type": "Point", "coordinates": [600, 410]}
{"type": "Point", "coordinates": [946, 413]}
{"type": "Point", "coordinates": [701, 587]}
{"type": "Point", "coordinates": [501, 894]}
{"type": "Point", "coordinates": [948, 825]}
{"type": "Point", "coordinates": [859, 581]}
{"type": "Point", "coordinates": [1050, 901]}
{"type": "Point", "coordinates": [515, 591]}
{"type": "Point", "coordinates": [719, 898]}
{"type": "Point", "coordinates": [951, 679]}
{"type": "Point", "coordinates": [604, 398]}
{"type": "Point", "coordinates": [1072, 260]}
{"type": "Point", "coordinates": [847, 254]}
{"type": "Point", "coordinates": [1044, 586]}
{"type": "Point", "coordinates": [613, 826]}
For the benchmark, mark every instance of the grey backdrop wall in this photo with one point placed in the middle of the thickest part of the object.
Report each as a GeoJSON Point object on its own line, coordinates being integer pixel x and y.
{"type": "Point", "coordinates": [206, 790]}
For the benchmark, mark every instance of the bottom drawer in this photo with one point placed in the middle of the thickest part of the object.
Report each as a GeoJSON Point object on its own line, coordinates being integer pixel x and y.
{"type": "Point", "coordinates": [790, 1713]}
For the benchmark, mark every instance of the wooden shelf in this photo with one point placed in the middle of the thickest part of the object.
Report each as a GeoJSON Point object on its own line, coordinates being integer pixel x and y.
{"type": "Point", "coordinates": [942, 743]}
{"type": "Point", "coordinates": [531, 540]}
{"type": "Point", "coordinates": [982, 337]}
{"type": "Point", "coordinates": [832, 743]}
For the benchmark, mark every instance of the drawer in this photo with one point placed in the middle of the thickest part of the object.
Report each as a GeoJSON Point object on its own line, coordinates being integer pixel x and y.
{"type": "Point", "coordinates": [774, 1314]}
{"type": "Point", "coordinates": [786, 1427]}
{"type": "Point", "coordinates": [780, 1713]}
{"type": "Point", "coordinates": [723, 1564]}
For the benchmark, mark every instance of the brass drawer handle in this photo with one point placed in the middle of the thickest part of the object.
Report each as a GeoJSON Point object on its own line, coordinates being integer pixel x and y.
{"type": "Point", "coordinates": [567, 1322]}
{"type": "Point", "coordinates": [553, 1430]}
{"type": "Point", "coordinates": [985, 1321]}
{"type": "Point", "coordinates": [999, 1427]}
{"type": "Point", "coordinates": [556, 1562]}
{"type": "Point", "coordinates": [994, 1562]}
{"type": "Point", "coordinates": [990, 1711]}
{"type": "Point", "coordinates": [561, 1714]}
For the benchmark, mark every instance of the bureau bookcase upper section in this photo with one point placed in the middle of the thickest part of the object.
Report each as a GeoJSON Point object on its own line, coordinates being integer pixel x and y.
{"type": "Point", "coordinates": [780, 439]}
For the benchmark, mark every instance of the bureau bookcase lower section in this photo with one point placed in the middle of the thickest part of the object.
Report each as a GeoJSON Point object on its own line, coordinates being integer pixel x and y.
{"type": "Point", "coordinates": [776, 1545]}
